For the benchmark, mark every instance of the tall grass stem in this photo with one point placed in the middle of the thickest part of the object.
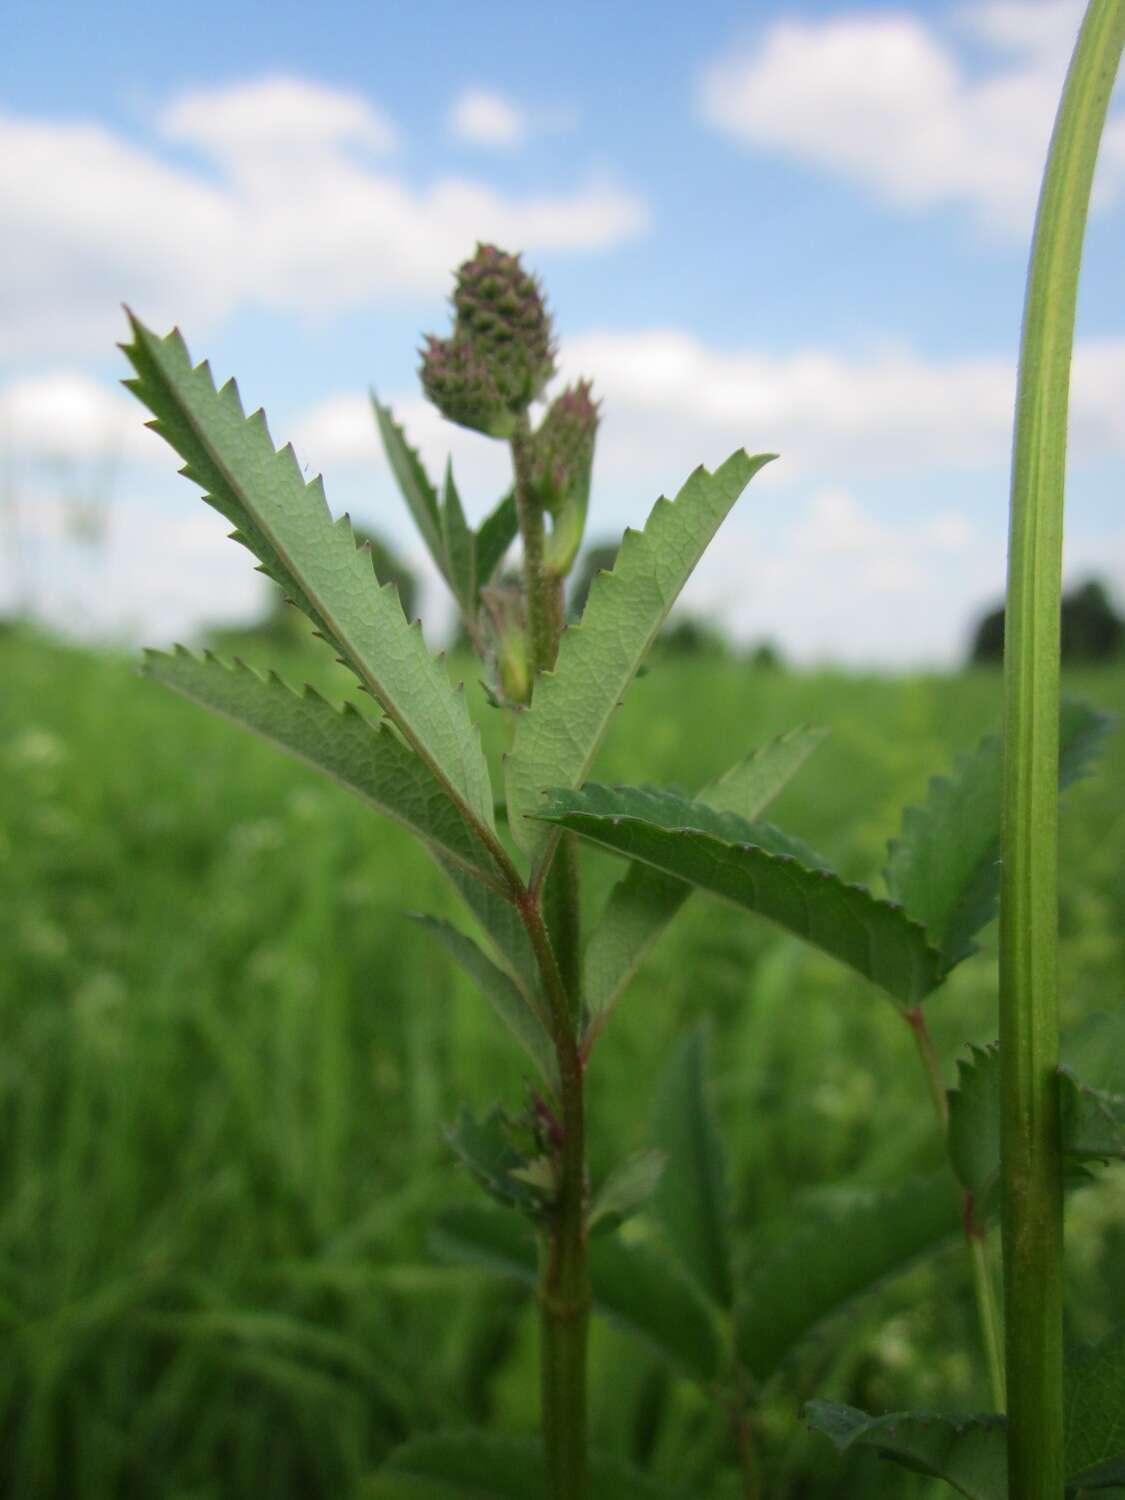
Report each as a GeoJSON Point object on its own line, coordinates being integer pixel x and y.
{"type": "Point", "coordinates": [1032, 1211]}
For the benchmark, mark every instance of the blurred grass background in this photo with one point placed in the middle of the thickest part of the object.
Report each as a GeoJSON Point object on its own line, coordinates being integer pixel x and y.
{"type": "Point", "coordinates": [227, 1061]}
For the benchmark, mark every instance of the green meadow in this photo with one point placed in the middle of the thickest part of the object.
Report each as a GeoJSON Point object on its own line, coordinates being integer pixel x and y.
{"type": "Point", "coordinates": [228, 1059]}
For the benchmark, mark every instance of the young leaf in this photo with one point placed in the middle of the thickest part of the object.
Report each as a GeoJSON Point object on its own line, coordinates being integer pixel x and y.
{"type": "Point", "coordinates": [1092, 1119]}
{"type": "Point", "coordinates": [571, 708]}
{"type": "Point", "coordinates": [945, 866]}
{"type": "Point", "coordinates": [968, 1452]}
{"type": "Point", "coordinates": [460, 545]}
{"type": "Point", "coordinates": [368, 759]}
{"type": "Point", "coordinates": [495, 535]}
{"type": "Point", "coordinates": [1095, 1414]}
{"type": "Point", "coordinates": [527, 1025]}
{"type": "Point", "coordinates": [643, 902]}
{"type": "Point", "coordinates": [627, 1188]}
{"type": "Point", "coordinates": [974, 1123]}
{"type": "Point", "coordinates": [761, 869]}
{"type": "Point", "coordinates": [1093, 1085]}
{"type": "Point", "coordinates": [288, 524]}
{"type": "Point", "coordinates": [485, 1148]}
{"type": "Point", "coordinates": [481, 1466]}
{"type": "Point", "coordinates": [413, 482]}
{"type": "Point", "coordinates": [632, 1285]}
{"type": "Point", "coordinates": [834, 1255]}
{"type": "Point", "coordinates": [691, 1199]}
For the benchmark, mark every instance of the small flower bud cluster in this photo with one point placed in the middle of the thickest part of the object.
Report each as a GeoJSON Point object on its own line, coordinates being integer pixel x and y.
{"type": "Point", "coordinates": [500, 354]}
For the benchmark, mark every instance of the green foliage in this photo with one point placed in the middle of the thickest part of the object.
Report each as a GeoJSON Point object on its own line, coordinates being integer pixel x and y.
{"type": "Point", "coordinates": [945, 866]}
{"type": "Point", "coordinates": [366, 758]}
{"type": "Point", "coordinates": [472, 1466]}
{"type": "Point", "coordinates": [692, 1201]}
{"type": "Point", "coordinates": [486, 1147]}
{"type": "Point", "coordinates": [524, 1020]}
{"type": "Point", "coordinates": [758, 868]}
{"type": "Point", "coordinates": [644, 901]}
{"type": "Point", "coordinates": [974, 1123]}
{"type": "Point", "coordinates": [969, 1452]}
{"type": "Point", "coordinates": [625, 1191]}
{"type": "Point", "coordinates": [558, 737]}
{"type": "Point", "coordinates": [286, 523]}
{"type": "Point", "coordinates": [831, 1256]}
{"type": "Point", "coordinates": [633, 1285]}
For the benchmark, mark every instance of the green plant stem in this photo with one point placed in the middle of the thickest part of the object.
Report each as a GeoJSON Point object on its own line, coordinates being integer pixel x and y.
{"type": "Point", "coordinates": [976, 1244]}
{"type": "Point", "coordinates": [564, 1277]}
{"type": "Point", "coordinates": [539, 587]}
{"type": "Point", "coordinates": [1032, 1160]}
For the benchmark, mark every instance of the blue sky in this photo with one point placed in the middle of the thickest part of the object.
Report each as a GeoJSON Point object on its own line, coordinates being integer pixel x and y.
{"type": "Point", "coordinates": [800, 228]}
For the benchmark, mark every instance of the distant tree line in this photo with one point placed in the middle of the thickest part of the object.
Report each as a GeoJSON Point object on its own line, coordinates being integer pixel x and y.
{"type": "Point", "coordinates": [1092, 631]}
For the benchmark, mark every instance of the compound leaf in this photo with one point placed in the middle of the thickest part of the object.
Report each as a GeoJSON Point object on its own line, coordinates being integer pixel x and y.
{"type": "Point", "coordinates": [692, 1200]}
{"type": "Point", "coordinates": [638, 1289]}
{"type": "Point", "coordinates": [368, 759]}
{"type": "Point", "coordinates": [945, 866]}
{"type": "Point", "coordinates": [571, 708]}
{"type": "Point", "coordinates": [757, 867]}
{"type": "Point", "coordinates": [514, 1009]}
{"type": "Point", "coordinates": [287, 524]}
{"type": "Point", "coordinates": [643, 901]}
{"type": "Point", "coordinates": [834, 1254]}
{"type": "Point", "coordinates": [479, 1466]}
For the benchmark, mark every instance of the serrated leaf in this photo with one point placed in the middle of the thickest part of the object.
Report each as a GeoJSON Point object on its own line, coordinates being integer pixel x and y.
{"type": "Point", "coordinates": [485, 1148]}
{"type": "Point", "coordinates": [288, 525]}
{"type": "Point", "coordinates": [505, 931]}
{"type": "Point", "coordinates": [834, 1254]}
{"type": "Point", "coordinates": [412, 479]}
{"type": "Point", "coordinates": [968, 1452]}
{"type": "Point", "coordinates": [526, 1024]}
{"type": "Point", "coordinates": [755, 866]}
{"type": "Point", "coordinates": [643, 902]}
{"type": "Point", "coordinates": [571, 708]}
{"type": "Point", "coordinates": [692, 1201]}
{"type": "Point", "coordinates": [495, 535]}
{"type": "Point", "coordinates": [460, 545]}
{"type": "Point", "coordinates": [638, 1289]}
{"type": "Point", "coordinates": [945, 866]}
{"type": "Point", "coordinates": [626, 1190]}
{"type": "Point", "coordinates": [1092, 1119]}
{"type": "Point", "coordinates": [479, 1466]}
{"type": "Point", "coordinates": [368, 759]}
{"type": "Point", "coordinates": [974, 1123]}
{"type": "Point", "coordinates": [1095, 1414]}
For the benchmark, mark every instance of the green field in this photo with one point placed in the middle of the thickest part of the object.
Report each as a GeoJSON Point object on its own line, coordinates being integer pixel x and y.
{"type": "Point", "coordinates": [228, 1060]}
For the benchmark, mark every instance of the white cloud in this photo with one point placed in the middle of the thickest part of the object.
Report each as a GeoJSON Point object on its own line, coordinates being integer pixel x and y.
{"type": "Point", "coordinates": [68, 416]}
{"type": "Point", "coordinates": [485, 118]}
{"type": "Point", "coordinates": [883, 99]}
{"type": "Point", "coordinates": [672, 401]}
{"type": "Point", "coordinates": [292, 214]}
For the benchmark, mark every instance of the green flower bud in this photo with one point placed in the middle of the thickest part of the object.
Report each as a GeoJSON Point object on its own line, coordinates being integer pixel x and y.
{"type": "Point", "coordinates": [563, 454]}
{"type": "Point", "coordinates": [501, 354]}
{"type": "Point", "coordinates": [461, 385]}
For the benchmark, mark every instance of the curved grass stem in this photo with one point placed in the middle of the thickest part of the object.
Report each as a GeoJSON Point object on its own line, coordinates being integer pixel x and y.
{"type": "Point", "coordinates": [1032, 1210]}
